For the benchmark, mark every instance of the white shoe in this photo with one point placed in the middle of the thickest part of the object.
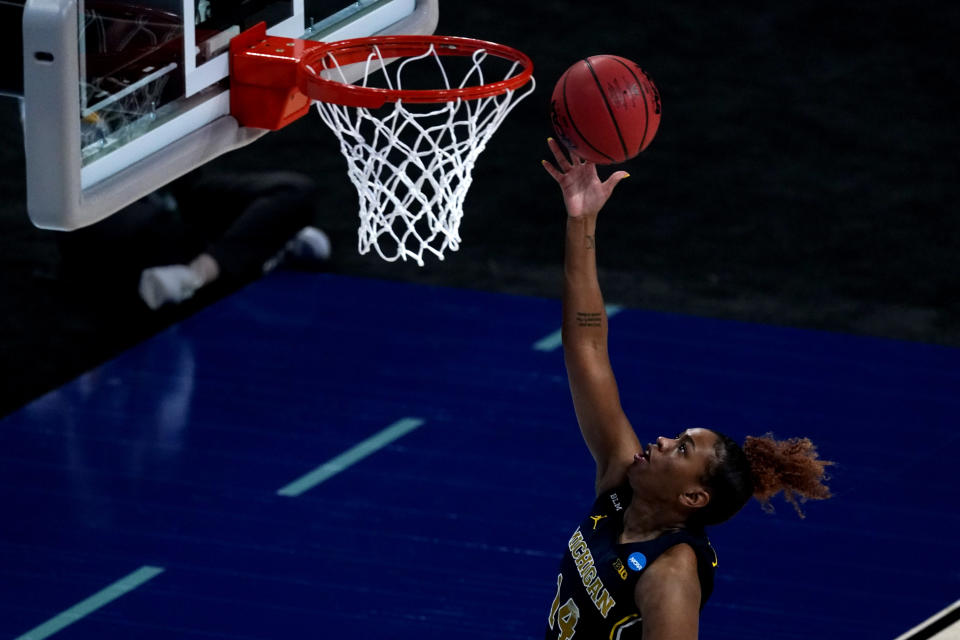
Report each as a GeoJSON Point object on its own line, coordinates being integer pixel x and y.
{"type": "Point", "coordinates": [170, 284]}
{"type": "Point", "coordinates": [309, 246]}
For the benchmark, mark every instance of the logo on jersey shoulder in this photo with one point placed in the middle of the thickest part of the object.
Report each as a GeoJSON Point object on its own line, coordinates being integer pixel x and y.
{"type": "Point", "coordinates": [596, 521]}
{"type": "Point", "coordinates": [637, 561]}
{"type": "Point", "coordinates": [621, 570]}
{"type": "Point", "coordinates": [714, 552]}
{"type": "Point", "coordinates": [616, 502]}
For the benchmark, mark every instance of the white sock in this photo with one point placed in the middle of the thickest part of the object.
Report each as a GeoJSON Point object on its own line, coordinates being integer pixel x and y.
{"type": "Point", "coordinates": [169, 284]}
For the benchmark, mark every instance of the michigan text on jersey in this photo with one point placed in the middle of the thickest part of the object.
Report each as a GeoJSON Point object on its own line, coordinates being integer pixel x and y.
{"type": "Point", "coordinates": [600, 597]}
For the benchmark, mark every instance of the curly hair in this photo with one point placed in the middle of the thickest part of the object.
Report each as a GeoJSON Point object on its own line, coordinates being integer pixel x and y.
{"type": "Point", "coordinates": [762, 468]}
{"type": "Point", "coordinates": [791, 466]}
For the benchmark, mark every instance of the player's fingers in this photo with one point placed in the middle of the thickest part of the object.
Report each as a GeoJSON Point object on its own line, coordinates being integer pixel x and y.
{"type": "Point", "coordinates": [559, 155]}
{"type": "Point", "coordinates": [614, 180]}
{"type": "Point", "coordinates": [551, 170]}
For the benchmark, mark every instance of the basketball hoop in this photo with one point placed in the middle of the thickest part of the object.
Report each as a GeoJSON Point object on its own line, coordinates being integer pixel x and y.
{"type": "Point", "coordinates": [410, 152]}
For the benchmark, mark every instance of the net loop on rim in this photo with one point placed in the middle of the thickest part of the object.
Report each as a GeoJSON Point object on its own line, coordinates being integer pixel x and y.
{"type": "Point", "coordinates": [411, 160]}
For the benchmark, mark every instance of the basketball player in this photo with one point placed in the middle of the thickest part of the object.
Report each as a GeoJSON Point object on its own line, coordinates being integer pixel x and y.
{"type": "Point", "coordinates": [206, 227]}
{"type": "Point", "coordinates": [640, 564]}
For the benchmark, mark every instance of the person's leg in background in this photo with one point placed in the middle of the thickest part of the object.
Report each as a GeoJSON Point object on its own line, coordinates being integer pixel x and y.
{"type": "Point", "coordinates": [249, 223]}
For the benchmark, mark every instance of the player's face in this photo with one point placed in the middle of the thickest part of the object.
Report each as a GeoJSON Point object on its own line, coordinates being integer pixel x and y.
{"type": "Point", "coordinates": [672, 466]}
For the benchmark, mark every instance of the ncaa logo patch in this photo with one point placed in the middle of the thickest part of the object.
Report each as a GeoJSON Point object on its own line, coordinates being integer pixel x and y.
{"type": "Point", "coordinates": [637, 561]}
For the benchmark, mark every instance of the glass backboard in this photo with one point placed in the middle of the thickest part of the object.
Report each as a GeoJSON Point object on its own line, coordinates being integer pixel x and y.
{"type": "Point", "coordinates": [120, 98]}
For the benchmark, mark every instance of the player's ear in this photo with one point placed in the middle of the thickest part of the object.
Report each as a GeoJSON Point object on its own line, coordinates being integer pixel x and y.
{"type": "Point", "coordinates": [695, 497]}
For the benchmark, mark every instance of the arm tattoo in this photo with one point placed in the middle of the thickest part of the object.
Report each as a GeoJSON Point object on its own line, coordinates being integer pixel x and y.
{"type": "Point", "coordinates": [591, 242]}
{"type": "Point", "coordinates": [588, 319]}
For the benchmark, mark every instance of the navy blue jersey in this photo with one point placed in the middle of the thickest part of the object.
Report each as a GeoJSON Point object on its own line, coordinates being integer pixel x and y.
{"type": "Point", "coordinates": [598, 575]}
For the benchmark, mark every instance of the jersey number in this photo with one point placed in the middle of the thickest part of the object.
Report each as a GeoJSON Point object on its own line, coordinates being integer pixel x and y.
{"type": "Point", "coordinates": [564, 617]}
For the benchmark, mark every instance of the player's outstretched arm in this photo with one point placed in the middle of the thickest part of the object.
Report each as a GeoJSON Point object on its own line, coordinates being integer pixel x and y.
{"type": "Point", "coordinates": [604, 426]}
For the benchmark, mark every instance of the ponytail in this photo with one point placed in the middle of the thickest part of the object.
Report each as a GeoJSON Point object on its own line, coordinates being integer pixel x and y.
{"type": "Point", "coordinates": [791, 466]}
{"type": "Point", "coordinates": [762, 468]}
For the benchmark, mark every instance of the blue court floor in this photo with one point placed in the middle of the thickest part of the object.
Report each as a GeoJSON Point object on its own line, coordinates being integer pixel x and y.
{"type": "Point", "coordinates": [325, 457]}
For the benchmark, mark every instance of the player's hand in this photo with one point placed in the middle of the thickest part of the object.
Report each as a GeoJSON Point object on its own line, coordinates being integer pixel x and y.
{"type": "Point", "coordinates": [583, 192]}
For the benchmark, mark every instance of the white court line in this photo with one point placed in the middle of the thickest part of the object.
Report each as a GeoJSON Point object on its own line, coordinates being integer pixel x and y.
{"type": "Point", "coordinates": [350, 457]}
{"type": "Point", "coordinates": [552, 341]}
{"type": "Point", "coordinates": [951, 632]}
{"type": "Point", "coordinates": [91, 604]}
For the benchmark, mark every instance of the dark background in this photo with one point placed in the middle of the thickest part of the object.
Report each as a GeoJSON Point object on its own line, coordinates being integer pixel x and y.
{"type": "Point", "coordinates": [805, 174]}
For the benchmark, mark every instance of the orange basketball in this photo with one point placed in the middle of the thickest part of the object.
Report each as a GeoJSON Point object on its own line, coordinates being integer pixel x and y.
{"type": "Point", "coordinates": [605, 109]}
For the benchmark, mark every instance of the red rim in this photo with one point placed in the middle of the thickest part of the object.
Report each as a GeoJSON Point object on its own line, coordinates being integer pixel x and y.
{"type": "Point", "coordinates": [359, 49]}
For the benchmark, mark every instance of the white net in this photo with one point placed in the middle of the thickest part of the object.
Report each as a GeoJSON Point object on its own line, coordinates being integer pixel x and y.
{"type": "Point", "coordinates": [412, 163]}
